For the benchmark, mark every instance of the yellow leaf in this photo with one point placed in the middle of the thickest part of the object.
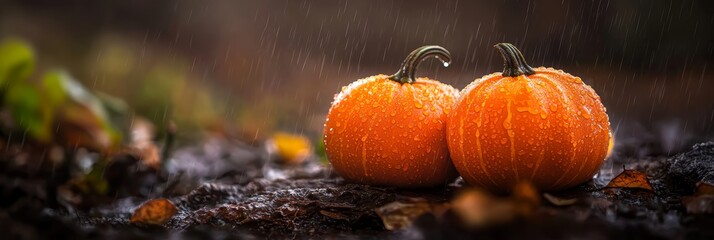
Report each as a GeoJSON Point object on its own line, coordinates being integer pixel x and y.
{"type": "Point", "coordinates": [292, 149]}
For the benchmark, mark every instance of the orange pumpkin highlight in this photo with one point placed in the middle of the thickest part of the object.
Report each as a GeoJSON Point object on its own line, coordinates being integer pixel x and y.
{"type": "Point", "coordinates": [389, 130]}
{"type": "Point", "coordinates": [541, 125]}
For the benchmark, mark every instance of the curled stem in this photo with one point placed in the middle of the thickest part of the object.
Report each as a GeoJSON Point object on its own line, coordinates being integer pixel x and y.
{"type": "Point", "coordinates": [408, 69]}
{"type": "Point", "coordinates": [513, 62]}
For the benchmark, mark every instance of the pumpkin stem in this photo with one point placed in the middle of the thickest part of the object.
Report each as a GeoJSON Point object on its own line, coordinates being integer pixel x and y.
{"type": "Point", "coordinates": [408, 69]}
{"type": "Point", "coordinates": [513, 62]}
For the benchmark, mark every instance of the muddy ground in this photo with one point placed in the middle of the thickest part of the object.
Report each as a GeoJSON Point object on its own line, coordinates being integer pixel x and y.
{"type": "Point", "coordinates": [225, 189]}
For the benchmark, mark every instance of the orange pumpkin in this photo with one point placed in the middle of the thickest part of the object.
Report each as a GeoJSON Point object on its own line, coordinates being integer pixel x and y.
{"type": "Point", "coordinates": [389, 130]}
{"type": "Point", "coordinates": [541, 125]}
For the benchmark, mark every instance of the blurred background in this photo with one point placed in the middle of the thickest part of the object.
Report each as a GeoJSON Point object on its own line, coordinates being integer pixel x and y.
{"type": "Point", "coordinates": [252, 68]}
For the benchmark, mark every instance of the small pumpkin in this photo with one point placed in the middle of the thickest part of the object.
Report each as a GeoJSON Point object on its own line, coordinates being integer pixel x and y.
{"type": "Point", "coordinates": [389, 130]}
{"type": "Point", "coordinates": [541, 125]}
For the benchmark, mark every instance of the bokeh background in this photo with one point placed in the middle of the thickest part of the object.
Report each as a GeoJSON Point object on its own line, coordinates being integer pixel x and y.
{"type": "Point", "coordinates": [252, 68]}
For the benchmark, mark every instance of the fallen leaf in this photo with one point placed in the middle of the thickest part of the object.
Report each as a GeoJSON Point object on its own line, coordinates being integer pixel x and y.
{"type": "Point", "coordinates": [525, 192]}
{"type": "Point", "coordinates": [291, 149]}
{"type": "Point", "coordinates": [702, 201]}
{"type": "Point", "coordinates": [526, 198]}
{"type": "Point", "coordinates": [631, 179]}
{"type": "Point", "coordinates": [142, 144]}
{"type": "Point", "coordinates": [704, 188]}
{"type": "Point", "coordinates": [155, 211]}
{"type": "Point", "coordinates": [477, 208]}
{"type": "Point", "coordinates": [560, 202]}
{"type": "Point", "coordinates": [703, 204]}
{"type": "Point", "coordinates": [398, 215]}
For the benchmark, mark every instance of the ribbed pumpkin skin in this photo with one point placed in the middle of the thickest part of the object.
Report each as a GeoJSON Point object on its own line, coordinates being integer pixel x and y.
{"type": "Point", "coordinates": [382, 132]}
{"type": "Point", "coordinates": [549, 128]}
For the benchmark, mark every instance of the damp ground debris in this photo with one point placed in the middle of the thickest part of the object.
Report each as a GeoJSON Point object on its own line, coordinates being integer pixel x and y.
{"type": "Point", "coordinates": [224, 189]}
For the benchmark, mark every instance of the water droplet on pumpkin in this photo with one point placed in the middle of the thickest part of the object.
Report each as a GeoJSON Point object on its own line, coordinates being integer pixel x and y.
{"type": "Point", "coordinates": [504, 140]}
{"type": "Point", "coordinates": [554, 107]}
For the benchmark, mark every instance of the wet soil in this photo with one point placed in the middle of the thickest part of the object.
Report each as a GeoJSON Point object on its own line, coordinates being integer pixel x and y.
{"type": "Point", "coordinates": [225, 189]}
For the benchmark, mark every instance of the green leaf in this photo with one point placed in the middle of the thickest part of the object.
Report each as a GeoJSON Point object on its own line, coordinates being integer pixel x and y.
{"type": "Point", "coordinates": [60, 87]}
{"type": "Point", "coordinates": [25, 104]}
{"type": "Point", "coordinates": [53, 84]}
{"type": "Point", "coordinates": [17, 60]}
{"type": "Point", "coordinates": [62, 90]}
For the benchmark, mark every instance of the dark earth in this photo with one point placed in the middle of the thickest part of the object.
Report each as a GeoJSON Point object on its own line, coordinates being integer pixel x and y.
{"type": "Point", "coordinates": [225, 189]}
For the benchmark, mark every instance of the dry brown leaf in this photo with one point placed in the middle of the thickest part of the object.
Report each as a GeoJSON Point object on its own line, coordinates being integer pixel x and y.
{"type": "Point", "coordinates": [702, 201]}
{"type": "Point", "coordinates": [478, 208]}
{"type": "Point", "coordinates": [80, 127]}
{"type": "Point", "coordinates": [525, 192]}
{"type": "Point", "coordinates": [703, 204]}
{"type": "Point", "coordinates": [155, 211]}
{"type": "Point", "coordinates": [526, 198]}
{"type": "Point", "coordinates": [631, 179]}
{"type": "Point", "coordinates": [398, 215]}
{"type": "Point", "coordinates": [704, 188]}
{"type": "Point", "coordinates": [560, 202]}
{"type": "Point", "coordinates": [142, 144]}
